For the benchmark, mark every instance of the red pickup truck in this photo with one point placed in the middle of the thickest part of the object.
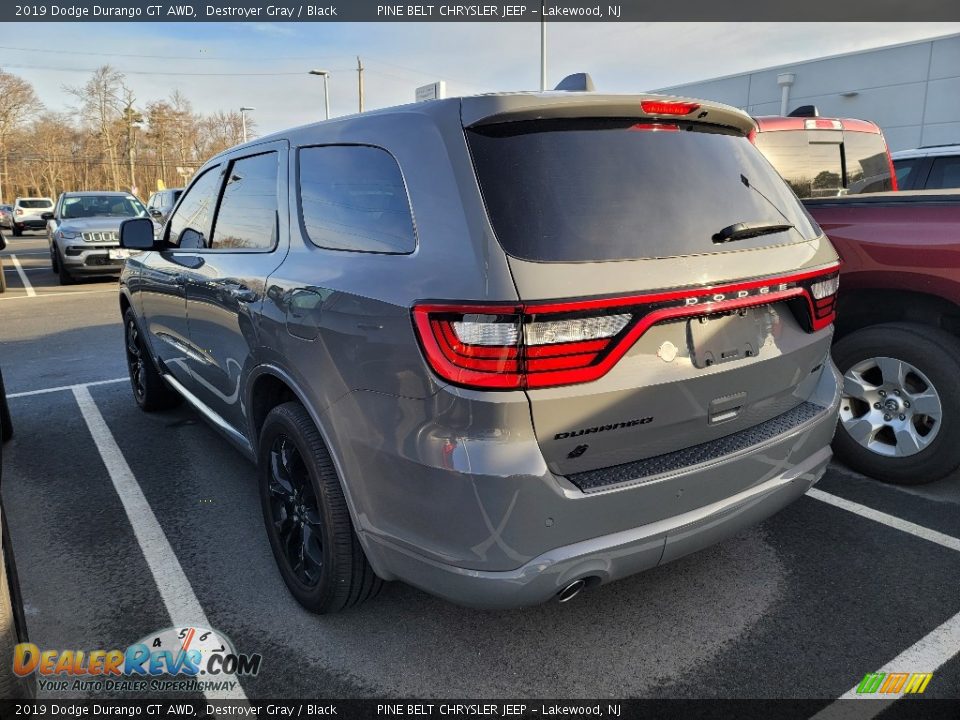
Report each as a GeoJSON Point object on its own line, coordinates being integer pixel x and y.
{"type": "Point", "coordinates": [898, 326]}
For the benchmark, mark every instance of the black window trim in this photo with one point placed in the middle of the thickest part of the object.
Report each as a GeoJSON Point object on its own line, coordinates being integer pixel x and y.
{"type": "Point", "coordinates": [406, 189]}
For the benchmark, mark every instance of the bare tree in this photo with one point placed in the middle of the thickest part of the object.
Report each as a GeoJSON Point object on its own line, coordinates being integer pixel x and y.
{"type": "Point", "coordinates": [17, 102]}
{"type": "Point", "coordinates": [101, 101]}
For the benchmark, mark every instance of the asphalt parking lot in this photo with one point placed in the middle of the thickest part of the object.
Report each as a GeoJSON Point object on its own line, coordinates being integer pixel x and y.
{"type": "Point", "coordinates": [126, 523]}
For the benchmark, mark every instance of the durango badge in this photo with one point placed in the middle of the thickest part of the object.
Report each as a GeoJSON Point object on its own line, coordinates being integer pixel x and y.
{"type": "Point", "coordinates": [603, 428]}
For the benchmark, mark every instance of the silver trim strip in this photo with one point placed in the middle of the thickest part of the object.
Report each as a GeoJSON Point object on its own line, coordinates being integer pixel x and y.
{"type": "Point", "coordinates": [216, 420]}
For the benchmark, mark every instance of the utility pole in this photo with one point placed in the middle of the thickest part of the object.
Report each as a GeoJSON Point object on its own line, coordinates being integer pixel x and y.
{"type": "Point", "coordinates": [134, 122]}
{"type": "Point", "coordinates": [543, 50]}
{"type": "Point", "coordinates": [360, 82]}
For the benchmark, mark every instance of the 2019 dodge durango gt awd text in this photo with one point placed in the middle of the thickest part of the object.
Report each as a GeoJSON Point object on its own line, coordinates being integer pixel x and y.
{"type": "Point", "coordinates": [498, 347]}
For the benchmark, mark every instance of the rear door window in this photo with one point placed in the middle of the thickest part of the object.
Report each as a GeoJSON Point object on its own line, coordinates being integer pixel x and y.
{"type": "Point", "coordinates": [592, 190]}
{"type": "Point", "coordinates": [944, 173]}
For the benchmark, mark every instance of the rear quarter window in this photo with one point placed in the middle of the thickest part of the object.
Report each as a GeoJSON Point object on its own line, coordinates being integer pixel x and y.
{"type": "Point", "coordinates": [353, 197]}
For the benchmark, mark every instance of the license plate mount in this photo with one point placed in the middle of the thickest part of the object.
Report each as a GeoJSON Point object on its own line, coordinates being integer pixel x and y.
{"type": "Point", "coordinates": [718, 339]}
{"type": "Point", "coordinates": [118, 253]}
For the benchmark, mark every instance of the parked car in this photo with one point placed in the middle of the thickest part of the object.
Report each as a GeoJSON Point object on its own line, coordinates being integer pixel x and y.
{"type": "Point", "coordinates": [499, 347]}
{"type": "Point", "coordinates": [161, 203]}
{"type": "Point", "coordinates": [13, 626]}
{"type": "Point", "coordinates": [6, 217]}
{"type": "Point", "coordinates": [28, 214]}
{"type": "Point", "coordinates": [83, 236]}
{"type": "Point", "coordinates": [898, 332]}
{"type": "Point", "coordinates": [826, 157]}
{"type": "Point", "coordinates": [898, 328]}
{"type": "Point", "coordinates": [935, 167]}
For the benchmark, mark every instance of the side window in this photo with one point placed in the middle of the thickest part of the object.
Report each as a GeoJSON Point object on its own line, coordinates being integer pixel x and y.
{"type": "Point", "coordinates": [152, 202]}
{"type": "Point", "coordinates": [247, 218]}
{"type": "Point", "coordinates": [906, 171]}
{"type": "Point", "coordinates": [196, 211]}
{"type": "Point", "coordinates": [944, 173]}
{"type": "Point", "coordinates": [352, 197]}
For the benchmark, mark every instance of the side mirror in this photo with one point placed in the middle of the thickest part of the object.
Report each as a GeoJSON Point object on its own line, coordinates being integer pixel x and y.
{"type": "Point", "coordinates": [46, 216]}
{"type": "Point", "coordinates": [155, 212]}
{"type": "Point", "coordinates": [137, 234]}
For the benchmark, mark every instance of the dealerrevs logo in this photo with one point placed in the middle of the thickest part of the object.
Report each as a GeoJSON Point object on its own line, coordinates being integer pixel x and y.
{"type": "Point", "coordinates": [198, 658]}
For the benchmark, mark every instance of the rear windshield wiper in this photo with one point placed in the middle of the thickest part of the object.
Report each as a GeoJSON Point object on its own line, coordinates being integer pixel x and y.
{"type": "Point", "coordinates": [744, 230]}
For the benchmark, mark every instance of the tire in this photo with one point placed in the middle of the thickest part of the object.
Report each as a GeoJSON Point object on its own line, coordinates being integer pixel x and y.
{"type": "Point", "coordinates": [149, 388]}
{"type": "Point", "coordinates": [6, 422]}
{"type": "Point", "coordinates": [914, 436]}
{"type": "Point", "coordinates": [65, 277]}
{"type": "Point", "coordinates": [3, 278]}
{"type": "Point", "coordinates": [301, 495]}
{"type": "Point", "coordinates": [17, 232]}
{"type": "Point", "coordinates": [54, 259]}
{"type": "Point", "coordinates": [13, 628]}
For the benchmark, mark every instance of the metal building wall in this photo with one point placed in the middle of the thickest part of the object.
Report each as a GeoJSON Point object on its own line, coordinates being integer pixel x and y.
{"type": "Point", "coordinates": [912, 90]}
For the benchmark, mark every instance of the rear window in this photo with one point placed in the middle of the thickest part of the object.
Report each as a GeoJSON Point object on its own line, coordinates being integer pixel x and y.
{"type": "Point", "coordinates": [598, 190]}
{"type": "Point", "coordinates": [944, 173]}
{"type": "Point", "coordinates": [868, 167]}
{"type": "Point", "coordinates": [35, 204]}
{"type": "Point", "coordinates": [828, 163]}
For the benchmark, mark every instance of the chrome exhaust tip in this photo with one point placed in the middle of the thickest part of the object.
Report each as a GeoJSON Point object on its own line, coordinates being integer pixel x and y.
{"type": "Point", "coordinates": [571, 591]}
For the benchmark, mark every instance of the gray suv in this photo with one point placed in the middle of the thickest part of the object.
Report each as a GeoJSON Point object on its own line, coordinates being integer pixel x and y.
{"type": "Point", "coordinates": [83, 232]}
{"type": "Point", "coordinates": [501, 348]}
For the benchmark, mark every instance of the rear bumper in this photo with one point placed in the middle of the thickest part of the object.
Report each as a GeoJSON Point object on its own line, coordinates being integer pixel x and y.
{"type": "Point", "coordinates": [609, 557]}
{"type": "Point", "coordinates": [480, 535]}
{"type": "Point", "coordinates": [30, 224]}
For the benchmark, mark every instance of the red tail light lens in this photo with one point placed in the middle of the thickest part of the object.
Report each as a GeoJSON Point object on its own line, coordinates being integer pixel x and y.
{"type": "Point", "coordinates": [516, 346]}
{"type": "Point", "coordinates": [659, 107]}
{"type": "Point", "coordinates": [19, 211]}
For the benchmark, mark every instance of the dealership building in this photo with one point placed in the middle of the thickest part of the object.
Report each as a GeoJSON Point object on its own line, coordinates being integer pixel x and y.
{"type": "Point", "coordinates": [912, 91]}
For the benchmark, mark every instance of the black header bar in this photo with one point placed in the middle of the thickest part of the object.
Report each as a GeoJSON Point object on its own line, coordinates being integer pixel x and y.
{"type": "Point", "coordinates": [513, 11]}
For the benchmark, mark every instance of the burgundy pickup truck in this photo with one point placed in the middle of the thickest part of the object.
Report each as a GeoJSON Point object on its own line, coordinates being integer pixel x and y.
{"type": "Point", "coordinates": [897, 337]}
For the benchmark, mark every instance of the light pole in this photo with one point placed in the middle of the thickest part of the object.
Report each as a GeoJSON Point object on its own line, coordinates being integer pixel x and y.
{"type": "Point", "coordinates": [326, 89]}
{"type": "Point", "coordinates": [131, 126]}
{"type": "Point", "coordinates": [243, 120]}
{"type": "Point", "coordinates": [543, 50]}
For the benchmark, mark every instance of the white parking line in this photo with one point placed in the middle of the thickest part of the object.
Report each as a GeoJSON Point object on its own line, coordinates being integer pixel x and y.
{"type": "Point", "coordinates": [174, 587]}
{"type": "Point", "coordinates": [23, 277]}
{"type": "Point", "coordinates": [927, 655]}
{"type": "Point", "coordinates": [888, 520]}
{"type": "Point", "coordinates": [59, 294]}
{"type": "Point", "coordinates": [44, 391]}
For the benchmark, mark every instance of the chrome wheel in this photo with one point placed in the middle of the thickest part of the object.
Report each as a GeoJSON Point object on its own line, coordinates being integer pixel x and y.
{"type": "Point", "coordinates": [135, 360]}
{"type": "Point", "coordinates": [295, 513]}
{"type": "Point", "coordinates": [890, 407]}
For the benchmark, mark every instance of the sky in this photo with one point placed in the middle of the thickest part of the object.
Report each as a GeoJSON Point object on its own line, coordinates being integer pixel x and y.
{"type": "Point", "coordinates": [223, 66]}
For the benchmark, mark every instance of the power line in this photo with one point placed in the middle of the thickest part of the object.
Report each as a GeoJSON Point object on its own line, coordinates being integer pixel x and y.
{"type": "Point", "coordinates": [159, 72]}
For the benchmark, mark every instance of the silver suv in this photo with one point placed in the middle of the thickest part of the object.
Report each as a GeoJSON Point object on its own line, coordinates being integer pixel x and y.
{"type": "Point", "coordinates": [501, 348]}
{"type": "Point", "coordinates": [83, 232]}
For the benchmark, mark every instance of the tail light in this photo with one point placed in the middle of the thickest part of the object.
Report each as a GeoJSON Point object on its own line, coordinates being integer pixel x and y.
{"type": "Point", "coordinates": [19, 211]}
{"type": "Point", "coordinates": [537, 345]}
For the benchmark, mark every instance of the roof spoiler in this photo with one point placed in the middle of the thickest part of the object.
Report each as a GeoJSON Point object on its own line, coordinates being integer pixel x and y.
{"type": "Point", "coordinates": [805, 111]}
{"type": "Point", "coordinates": [578, 82]}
